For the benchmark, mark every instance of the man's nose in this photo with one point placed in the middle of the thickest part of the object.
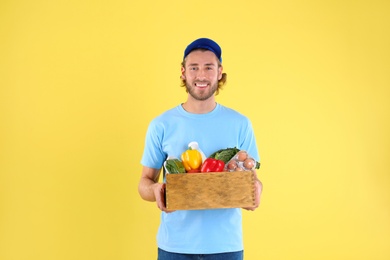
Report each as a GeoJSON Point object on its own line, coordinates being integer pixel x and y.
{"type": "Point", "coordinates": [201, 75]}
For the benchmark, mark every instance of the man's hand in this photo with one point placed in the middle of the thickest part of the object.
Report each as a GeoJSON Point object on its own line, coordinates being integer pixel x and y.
{"type": "Point", "coordinates": [258, 191]}
{"type": "Point", "coordinates": [159, 194]}
{"type": "Point", "coordinates": [150, 189]}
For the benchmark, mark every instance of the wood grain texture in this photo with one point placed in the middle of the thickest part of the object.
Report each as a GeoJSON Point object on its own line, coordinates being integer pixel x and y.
{"type": "Point", "coordinates": [210, 190]}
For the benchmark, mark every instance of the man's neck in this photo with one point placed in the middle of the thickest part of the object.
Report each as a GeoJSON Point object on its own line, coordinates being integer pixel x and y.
{"type": "Point", "coordinates": [199, 107]}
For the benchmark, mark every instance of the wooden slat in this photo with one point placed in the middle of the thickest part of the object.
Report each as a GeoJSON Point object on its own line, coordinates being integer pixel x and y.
{"type": "Point", "coordinates": [210, 190]}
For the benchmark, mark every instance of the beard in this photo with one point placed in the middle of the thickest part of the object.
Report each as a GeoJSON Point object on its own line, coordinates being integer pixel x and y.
{"type": "Point", "coordinates": [201, 94]}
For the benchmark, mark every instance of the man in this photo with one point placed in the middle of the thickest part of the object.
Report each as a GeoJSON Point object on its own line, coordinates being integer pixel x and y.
{"type": "Point", "coordinates": [197, 234]}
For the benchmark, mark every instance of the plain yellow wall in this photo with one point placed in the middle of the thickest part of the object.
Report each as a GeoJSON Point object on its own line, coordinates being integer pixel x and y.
{"type": "Point", "coordinates": [80, 81]}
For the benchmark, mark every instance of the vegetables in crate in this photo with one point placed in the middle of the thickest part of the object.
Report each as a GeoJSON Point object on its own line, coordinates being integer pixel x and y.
{"type": "Point", "coordinates": [225, 154]}
{"type": "Point", "coordinates": [174, 165]}
{"type": "Point", "coordinates": [212, 165]}
{"type": "Point", "coordinates": [192, 160]}
{"type": "Point", "coordinates": [241, 161]}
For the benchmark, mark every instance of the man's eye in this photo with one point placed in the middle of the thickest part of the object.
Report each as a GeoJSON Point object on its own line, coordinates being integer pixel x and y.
{"type": "Point", "coordinates": [193, 68]}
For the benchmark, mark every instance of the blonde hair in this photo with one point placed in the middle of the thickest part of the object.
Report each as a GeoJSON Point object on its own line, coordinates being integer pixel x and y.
{"type": "Point", "coordinates": [221, 82]}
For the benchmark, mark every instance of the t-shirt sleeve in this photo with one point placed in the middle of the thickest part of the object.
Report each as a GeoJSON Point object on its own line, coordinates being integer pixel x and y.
{"type": "Point", "coordinates": [153, 155]}
{"type": "Point", "coordinates": [248, 140]}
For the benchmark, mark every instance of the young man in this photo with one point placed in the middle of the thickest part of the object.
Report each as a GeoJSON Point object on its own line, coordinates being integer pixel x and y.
{"type": "Point", "coordinates": [197, 234]}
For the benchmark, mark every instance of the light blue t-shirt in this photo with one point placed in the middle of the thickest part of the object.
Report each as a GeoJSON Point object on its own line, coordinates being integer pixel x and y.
{"type": "Point", "coordinates": [198, 231]}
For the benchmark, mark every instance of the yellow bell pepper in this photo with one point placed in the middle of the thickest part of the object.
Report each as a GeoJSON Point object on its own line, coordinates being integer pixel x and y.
{"type": "Point", "coordinates": [191, 159]}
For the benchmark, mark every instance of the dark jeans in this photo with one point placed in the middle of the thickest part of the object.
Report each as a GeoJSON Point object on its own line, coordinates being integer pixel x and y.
{"type": "Point", "coordinates": [164, 255]}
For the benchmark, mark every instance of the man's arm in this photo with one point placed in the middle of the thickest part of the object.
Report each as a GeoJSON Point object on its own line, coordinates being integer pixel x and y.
{"type": "Point", "coordinates": [150, 189]}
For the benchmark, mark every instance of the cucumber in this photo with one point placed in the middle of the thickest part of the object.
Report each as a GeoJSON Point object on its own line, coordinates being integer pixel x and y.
{"type": "Point", "coordinates": [174, 166]}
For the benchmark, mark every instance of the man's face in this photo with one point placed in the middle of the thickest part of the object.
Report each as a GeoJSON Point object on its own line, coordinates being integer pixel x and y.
{"type": "Point", "coordinates": [201, 73]}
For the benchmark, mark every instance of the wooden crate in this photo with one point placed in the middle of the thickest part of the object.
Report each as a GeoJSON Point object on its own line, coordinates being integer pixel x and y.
{"type": "Point", "coordinates": [210, 190]}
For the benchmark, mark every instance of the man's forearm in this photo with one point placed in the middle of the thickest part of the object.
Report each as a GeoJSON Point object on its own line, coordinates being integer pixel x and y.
{"type": "Point", "coordinates": [146, 189]}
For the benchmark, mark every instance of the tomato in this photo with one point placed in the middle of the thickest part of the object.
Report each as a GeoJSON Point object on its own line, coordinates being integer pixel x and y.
{"type": "Point", "coordinates": [232, 165]}
{"type": "Point", "coordinates": [249, 163]}
{"type": "Point", "coordinates": [242, 155]}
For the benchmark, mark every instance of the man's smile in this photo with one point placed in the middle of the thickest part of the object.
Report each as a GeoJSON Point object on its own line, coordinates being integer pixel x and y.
{"type": "Point", "coordinates": [201, 84]}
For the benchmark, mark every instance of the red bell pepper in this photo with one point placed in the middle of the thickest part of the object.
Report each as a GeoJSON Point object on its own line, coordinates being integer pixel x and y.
{"type": "Point", "coordinates": [212, 165]}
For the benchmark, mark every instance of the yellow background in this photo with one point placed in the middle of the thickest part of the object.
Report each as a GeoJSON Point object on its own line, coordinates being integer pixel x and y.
{"type": "Point", "coordinates": [81, 80]}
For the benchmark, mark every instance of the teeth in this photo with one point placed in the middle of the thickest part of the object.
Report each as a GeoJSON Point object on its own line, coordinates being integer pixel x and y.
{"type": "Point", "coordinates": [201, 84]}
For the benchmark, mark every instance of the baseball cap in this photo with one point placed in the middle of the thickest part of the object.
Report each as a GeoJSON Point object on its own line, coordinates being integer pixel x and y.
{"type": "Point", "coordinates": [204, 43]}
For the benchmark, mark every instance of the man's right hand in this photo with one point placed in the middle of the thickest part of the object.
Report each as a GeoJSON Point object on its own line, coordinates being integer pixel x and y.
{"type": "Point", "coordinates": [150, 189]}
{"type": "Point", "coordinates": [159, 194]}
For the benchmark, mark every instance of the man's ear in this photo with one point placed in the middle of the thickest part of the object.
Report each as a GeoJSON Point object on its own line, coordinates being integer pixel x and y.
{"type": "Point", "coordinates": [183, 70]}
{"type": "Point", "coordinates": [220, 69]}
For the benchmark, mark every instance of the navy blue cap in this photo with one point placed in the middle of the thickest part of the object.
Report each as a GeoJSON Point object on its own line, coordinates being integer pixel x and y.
{"type": "Point", "coordinates": [204, 43]}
